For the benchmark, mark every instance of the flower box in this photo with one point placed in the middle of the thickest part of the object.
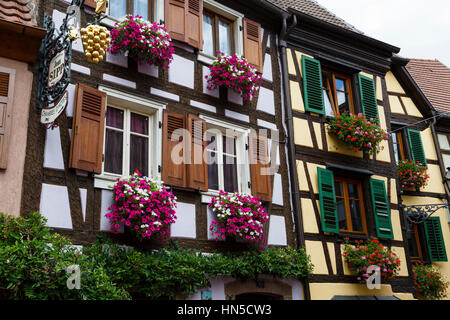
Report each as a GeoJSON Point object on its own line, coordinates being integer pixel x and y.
{"type": "Point", "coordinates": [361, 255]}
{"type": "Point", "coordinates": [239, 216]}
{"type": "Point", "coordinates": [412, 175]}
{"type": "Point", "coordinates": [143, 206]}
{"type": "Point", "coordinates": [142, 41]}
{"type": "Point", "coordinates": [429, 282]}
{"type": "Point", "coordinates": [358, 132]}
{"type": "Point", "coordinates": [234, 73]}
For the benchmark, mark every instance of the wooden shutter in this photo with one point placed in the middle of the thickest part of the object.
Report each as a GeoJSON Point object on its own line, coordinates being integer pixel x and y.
{"type": "Point", "coordinates": [261, 181]}
{"type": "Point", "coordinates": [369, 103]}
{"type": "Point", "coordinates": [416, 146]}
{"type": "Point", "coordinates": [435, 239]}
{"type": "Point", "coordinates": [175, 19]}
{"type": "Point", "coordinates": [173, 170]}
{"type": "Point", "coordinates": [93, 4]}
{"type": "Point", "coordinates": [197, 170]}
{"type": "Point", "coordinates": [327, 198]}
{"type": "Point", "coordinates": [253, 43]}
{"type": "Point", "coordinates": [86, 149]}
{"type": "Point", "coordinates": [7, 77]}
{"type": "Point", "coordinates": [312, 85]}
{"type": "Point", "coordinates": [194, 23]}
{"type": "Point", "coordinates": [381, 210]}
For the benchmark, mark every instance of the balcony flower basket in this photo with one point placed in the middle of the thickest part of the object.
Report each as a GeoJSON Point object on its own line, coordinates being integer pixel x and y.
{"type": "Point", "coordinates": [239, 216]}
{"type": "Point", "coordinates": [360, 256]}
{"type": "Point", "coordinates": [358, 132]}
{"type": "Point", "coordinates": [235, 73]}
{"type": "Point", "coordinates": [412, 174]}
{"type": "Point", "coordinates": [429, 282]}
{"type": "Point", "coordinates": [142, 205]}
{"type": "Point", "coordinates": [142, 41]}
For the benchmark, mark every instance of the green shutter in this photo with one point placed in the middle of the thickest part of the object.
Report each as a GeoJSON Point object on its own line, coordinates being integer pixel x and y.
{"type": "Point", "coordinates": [327, 197]}
{"type": "Point", "coordinates": [435, 240]}
{"type": "Point", "coordinates": [416, 146]}
{"type": "Point", "coordinates": [381, 210]}
{"type": "Point", "coordinates": [368, 95]}
{"type": "Point", "coordinates": [312, 85]}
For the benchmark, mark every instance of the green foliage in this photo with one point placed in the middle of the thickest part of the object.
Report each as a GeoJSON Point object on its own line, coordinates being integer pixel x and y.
{"type": "Point", "coordinates": [429, 282]}
{"type": "Point", "coordinates": [33, 265]}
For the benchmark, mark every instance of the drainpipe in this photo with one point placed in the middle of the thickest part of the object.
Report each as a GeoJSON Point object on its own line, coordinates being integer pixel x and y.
{"type": "Point", "coordinates": [292, 163]}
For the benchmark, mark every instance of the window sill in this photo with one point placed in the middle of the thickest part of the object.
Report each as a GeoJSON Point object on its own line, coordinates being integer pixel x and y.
{"type": "Point", "coordinates": [105, 182]}
{"type": "Point", "coordinates": [205, 58]}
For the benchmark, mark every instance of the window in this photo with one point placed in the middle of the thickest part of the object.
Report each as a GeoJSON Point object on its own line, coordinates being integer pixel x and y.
{"type": "Point", "coordinates": [399, 148]}
{"type": "Point", "coordinates": [444, 143]}
{"type": "Point", "coordinates": [120, 8]}
{"type": "Point", "coordinates": [132, 132]}
{"type": "Point", "coordinates": [217, 34]}
{"type": "Point", "coordinates": [226, 158]}
{"type": "Point", "coordinates": [413, 239]}
{"type": "Point", "coordinates": [127, 140]}
{"type": "Point", "coordinates": [350, 205]}
{"type": "Point", "coordinates": [337, 93]}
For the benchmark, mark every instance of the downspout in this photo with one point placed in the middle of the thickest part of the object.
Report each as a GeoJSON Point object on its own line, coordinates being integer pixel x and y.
{"type": "Point", "coordinates": [292, 163]}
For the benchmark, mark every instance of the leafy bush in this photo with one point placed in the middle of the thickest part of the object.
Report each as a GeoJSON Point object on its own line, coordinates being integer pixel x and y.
{"type": "Point", "coordinates": [429, 282]}
{"type": "Point", "coordinates": [359, 132]}
{"type": "Point", "coordinates": [33, 264]}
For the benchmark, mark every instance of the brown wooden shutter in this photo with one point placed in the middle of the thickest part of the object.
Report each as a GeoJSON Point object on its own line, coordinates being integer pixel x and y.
{"type": "Point", "coordinates": [253, 43]}
{"type": "Point", "coordinates": [197, 170]}
{"type": "Point", "coordinates": [86, 149]}
{"type": "Point", "coordinates": [175, 19]}
{"type": "Point", "coordinates": [6, 95]}
{"type": "Point", "coordinates": [261, 182]}
{"type": "Point", "coordinates": [93, 4]}
{"type": "Point", "coordinates": [194, 23]}
{"type": "Point", "coordinates": [173, 173]}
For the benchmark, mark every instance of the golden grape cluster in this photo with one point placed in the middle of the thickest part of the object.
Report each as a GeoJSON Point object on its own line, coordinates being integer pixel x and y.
{"type": "Point", "coordinates": [95, 42]}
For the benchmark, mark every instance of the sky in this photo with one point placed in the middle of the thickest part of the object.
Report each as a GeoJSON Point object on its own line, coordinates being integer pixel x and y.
{"type": "Point", "coordinates": [421, 28]}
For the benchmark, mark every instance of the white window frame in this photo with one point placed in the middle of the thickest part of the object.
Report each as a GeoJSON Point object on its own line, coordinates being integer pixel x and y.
{"type": "Point", "coordinates": [158, 11]}
{"type": "Point", "coordinates": [242, 156]}
{"type": "Point", "coordinates": [151, 108]}
{"type": "Point", "coordinates": [231, 14]}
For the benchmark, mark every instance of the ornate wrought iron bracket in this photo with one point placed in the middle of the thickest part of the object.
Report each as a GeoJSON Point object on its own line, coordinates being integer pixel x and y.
{"type": "Point", "coordinates": [418, 214]}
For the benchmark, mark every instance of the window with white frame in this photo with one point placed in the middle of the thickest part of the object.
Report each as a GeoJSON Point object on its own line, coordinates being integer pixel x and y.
{"type": "Point", "coordinates": [221, 31]}
{"type": "Point", "coordinates": [226, 155]}
{"type": "Point", "coordinates": [132, 133]}
{"type": "Point", "coordinates": [151, 10]}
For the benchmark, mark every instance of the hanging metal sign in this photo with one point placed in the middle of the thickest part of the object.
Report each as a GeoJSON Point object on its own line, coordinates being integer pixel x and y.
{"type": "Point", "coordinates": [55, 64]}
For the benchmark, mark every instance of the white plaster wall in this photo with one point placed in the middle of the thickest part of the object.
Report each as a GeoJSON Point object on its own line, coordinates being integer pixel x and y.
{"type": "Point", "coordinates": [107, 201]}
{"type": "Point", "coordinates": [119, 81]}
{"type": "Point", "coordinates": [234, 97]}
{"type": "Point", "coordinates": [267, 68]}
{"type": "Point", "coordinates": [118, 59]}
{"type": "Point", "coordinates": [185, 78]}
{"type": "Point", "coordinates": [277, 231]}
{"type": "Point", "coordinates": [71, 90]}
{"type": "Point", "coordinates": [277, 194]}
{"type": "Point", "coordinates": [148, 69]}
{"type": "Point", "coordinates": [184, 226]}
{"type": "Point", "coordinates": [214, 92]}
{"type": "Point", "coordinates": [210, 218]}
{"type": "Point", "coordinates": [54, 206]}
{"type": "Point", "coordinates": [83, 196]}
{"type": "Point", "coordinates": [237, 115]}
{"type": "Point", "coordinates": [164, 94]}
{"type": "Point", "coordinates": [266, 101]}
{"type": "Point", "coordinates": [53, 157]}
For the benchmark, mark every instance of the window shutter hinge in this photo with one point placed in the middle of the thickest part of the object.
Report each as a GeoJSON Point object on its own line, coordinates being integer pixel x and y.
{"type": "Point", "coordinates": [240, 28]}
{"type": "Point", "coordinates": [161, 22]}
{"type": "Point", "coordinates": [246, 146]}
{"type": "Point", "coordinates": [159, 168]}
{"type": "Point", "coordinates": [249, 184]}
{"type": "Point", "coordinates": [160, 124]}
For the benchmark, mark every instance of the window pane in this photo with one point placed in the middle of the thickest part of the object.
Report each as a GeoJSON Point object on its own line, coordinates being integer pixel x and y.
{"type": "Point", "coordinates": [355, 211]}
{"type": "Point", "coordinates": [213, 171]}
{"type": "Point", "coordinates": [208, 35]}
{"type": "Point", "coordinates": [139, 154]}
{"type": "Point", "coordinates": [139, 123]}
{"type": "Point", "coordinates": [443, 142]}
{"type": "Point", "coordinates": [225, 37]}
{"type": "Point", "coordinates": [113, 151]}
{"type": "Point", "coordinates": [140, 7]}
{"type": "Point", "coordinates": [342, 102]}
{"type": "Point", "coordinates": [229, 145]}
{"type": "Point", "coordinates": [340, 85]}
{"type": "Point", "coordinates": [114, 118]}
{"type": "Point", "coordinates": [230, 174]}
{"type": "Point", "coordinates": [353, 191]}
{"type": "Point", "coordinates": [118, 8]}
{"type": "Point", "coordinates": [342, 218]}
{"type": "Point", "coordinates": [338, 189]}
{"type": "Point", "coordinates": [446, 160]}
{"type": "Point", "coordinates": [328, 106]}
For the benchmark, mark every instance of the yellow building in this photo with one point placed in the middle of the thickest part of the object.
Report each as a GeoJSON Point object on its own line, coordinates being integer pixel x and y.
{"type": "Point", "coordinates": [341, 192]}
